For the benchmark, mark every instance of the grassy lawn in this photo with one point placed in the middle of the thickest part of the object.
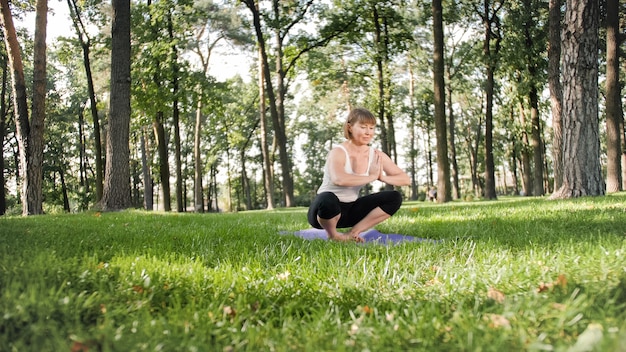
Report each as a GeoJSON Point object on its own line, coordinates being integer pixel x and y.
{"type": "Point", "coordinates": [509, 275]}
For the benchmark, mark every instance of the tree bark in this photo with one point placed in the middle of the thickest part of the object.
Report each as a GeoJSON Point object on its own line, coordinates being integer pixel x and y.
{"type": "Point", "coordinates": [268, 170]}
{"type": "Point", "coordinates": [164, 166]}
{"type": "Point", "coordinates": [3, 119]}
{"type": "Point", "coordinates": [454, 167]}
{"type": "Point", "coordinates": [537, 143]}
{"type": "Point", "coordinates": [444, 193]}
{"type": "Point", "coordinates": [180, 201]}
{"type": "Point", "coordinates": [116, 192]}
{"type": "Point", "coordinates": [613, 103]}
{"type": "Point", "coordinates": [25, 130]}
{"type": "Point", "coordinates": [148, 195]}
{"type": "Point", "coordinates": [582, 172]}
{"type": "Point", "coordinates": [35, 172]}
{"type": "Point", "coordinates": [527, 179]}
{"type": "Point", "coordinates": [198, 190]}
{"type": "Point", "coordinates": [556, 91]}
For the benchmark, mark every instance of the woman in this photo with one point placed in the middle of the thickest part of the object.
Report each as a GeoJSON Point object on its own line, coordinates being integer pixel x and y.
{"type": "Point", "coordinates": [350, 166]}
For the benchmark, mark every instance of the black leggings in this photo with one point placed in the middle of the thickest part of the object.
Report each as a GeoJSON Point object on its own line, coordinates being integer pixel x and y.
{"type": "Point", "coordinates": [326, 205]}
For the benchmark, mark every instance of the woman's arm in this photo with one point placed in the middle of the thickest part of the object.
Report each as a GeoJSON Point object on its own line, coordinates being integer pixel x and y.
{"type": "Point", "coordinates": [339, 176]}
{"type": "Point", "coordinates": [391, 173]}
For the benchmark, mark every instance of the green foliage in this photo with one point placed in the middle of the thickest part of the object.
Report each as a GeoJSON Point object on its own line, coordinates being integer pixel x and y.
{"type": "Point", "coordinates": [517, 274]}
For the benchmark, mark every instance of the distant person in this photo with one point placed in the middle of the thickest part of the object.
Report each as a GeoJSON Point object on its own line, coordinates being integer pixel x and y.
{"type": "Point", "coordinates": [432, 195]}
{"type": "Point", "coordinates": [350, 166]}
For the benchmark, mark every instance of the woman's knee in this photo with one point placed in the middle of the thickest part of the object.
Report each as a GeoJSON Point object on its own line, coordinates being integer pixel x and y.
{"type": "Point", "coordinates": [392, 203]}
{"type": "Point", "coordinates": [326, 205]}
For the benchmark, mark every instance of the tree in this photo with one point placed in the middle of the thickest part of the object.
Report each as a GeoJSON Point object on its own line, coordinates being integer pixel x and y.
{"type": "Point", "coordinates": [556, 90]}
{"type": "Point", "coordinates": [613, 100]}
{"type": "Point", "coordinates": [3, 119]}
{"type": "Point", "coordinates": [116, 192]}
{"type": "Point", "coordinates": [443, 165]}
{"type": "Point", "coordinates": [85, 44]}
{"type": "Point", "coordinates": [29, 131]}
{"type": "Point", "coordinates": [284, 19]}
{"type": "Point", "coordinates": [491, 24]}
{"type": "Point", "coordinates": [582, 172]}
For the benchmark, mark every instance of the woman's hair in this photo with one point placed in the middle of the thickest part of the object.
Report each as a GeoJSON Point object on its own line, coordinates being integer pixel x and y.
{"type": "Point", "coordinates": [357, 115]}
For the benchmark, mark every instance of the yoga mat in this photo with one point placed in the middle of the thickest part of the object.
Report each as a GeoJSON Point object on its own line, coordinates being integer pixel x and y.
{"type": "Point", "coordinates": [371, 235]}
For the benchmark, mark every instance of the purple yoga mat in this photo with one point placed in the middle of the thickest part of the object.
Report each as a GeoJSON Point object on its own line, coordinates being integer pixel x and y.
{"type": "Point", "coordinates": [372, 235]}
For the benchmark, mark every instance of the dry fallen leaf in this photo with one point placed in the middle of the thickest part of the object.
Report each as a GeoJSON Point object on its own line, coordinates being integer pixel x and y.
{"type": "Point", "coordinates": [498, 321]}
{"type": "Point", "coordinates": [230, 311]}
{"type": "Point", "coordinates": [495, 295]}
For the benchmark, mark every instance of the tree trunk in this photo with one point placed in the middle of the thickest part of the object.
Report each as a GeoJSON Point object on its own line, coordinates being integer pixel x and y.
{"type": "Point", "coordinates": [26, 131]}
{"type": "Point", "coordinates": [490, 57]}
{"type": "Point", "coordinates": [164, 166]}
{"type": "Point", "coordinates": [582, 172]}
{"type": "Point", "coordinates": [276, 104]}
{"type": "Point", "coordinates": [198, 192]}
{"type": "Point", "coordinates": [66, 200]}
{"type": "Point", "coordinates": [85, 44]}
{"type": "Point", "coordinates": [268, 174]}
{"type": "Point", "coordinates": [180, 202]}
{"type": "Point", "coordinates": [613, 100]}
{"type": "Point", "coordinates": [537, 144]}
{"type": "Point", "coordinates": [34, 193]}
{"type": "Point", "coordinates": [454, 167]}
{"type": "Point", "coordinates": [116, 192]}
{"type": "Point", "coordinates": [3, 119]}
{"type": "Point", "coordinates": [443, 165]}
{"type": "Point", "coordinates": [556, 91]}
{"type": "Point", "coordinates": [412, 135]}
{"type": "Point", "coordinates": [148, 195]}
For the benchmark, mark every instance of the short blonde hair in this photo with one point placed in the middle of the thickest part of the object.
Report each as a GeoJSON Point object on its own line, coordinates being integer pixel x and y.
{"type": "Point", "coordinates": [357, 115]}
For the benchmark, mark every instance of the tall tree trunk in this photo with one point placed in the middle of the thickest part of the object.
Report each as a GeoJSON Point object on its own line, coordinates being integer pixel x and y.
{"type": "Point", "coordinates": [116, 192]}
{"type": "Point", "coordinates": [180, 202]}
{"type": "Point", "coordinates": [3, 119]}
{"type": "Point", "coordinates": [34, 193]}
{"type": "Point", "coordinates": [527, 179]}
{"type": "Point", "coordinates": [490, 55]}
{"type": "Point", "coordinates": [556, 91]}
{"type": "Point", "coordinates": [275, 101]}
{"type": "Point", "coordinates": [613, 100]}
{"type": "Point", "coordinates": [443, 165]}
{"type": "Point", "coordinates": [454, 166]}
{"type": "Point", "coordinates": [198, 191]}
{"type": "Point", "coordinates": [623, 135]}
{"type": "Point", "coordinates": [29, 133]}
{"type": "Point", "coordinates": [380, 80]}
{"type": "Point", "coordinates": [85, 44]}
{"type": "Point", "coordinates": [268, 174]}
{"type": "Point", "coordinates": [412, 134]}
{"type": "Point", "coordinates": [148, 193]}
{"type": "Point", "coordinates": [472, 149]}
{"type": "Point", "coordinates": [66, 200]}
{"type": "Point", "coordinates": [83, 163]}
{"type": "Point", "coordinates": [582, 172]}
{"type": "Point", "coordinates": [537, 143]}
{"type": "Point", "coordinates": [164, 166]}
{"type": "Point", "coordinates": [278, 119]}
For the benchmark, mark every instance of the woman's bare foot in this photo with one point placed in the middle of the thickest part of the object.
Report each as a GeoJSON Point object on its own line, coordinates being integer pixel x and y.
{"type": "Point", "coordinates": [341, 237]}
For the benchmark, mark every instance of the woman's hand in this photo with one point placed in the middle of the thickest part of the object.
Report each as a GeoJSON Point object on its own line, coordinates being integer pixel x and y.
{"type": "Point", "coordinates": [376, 168]}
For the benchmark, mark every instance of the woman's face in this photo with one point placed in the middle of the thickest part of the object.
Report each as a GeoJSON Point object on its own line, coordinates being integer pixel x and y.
{"type": "Point", "coordinates": [362, 133]}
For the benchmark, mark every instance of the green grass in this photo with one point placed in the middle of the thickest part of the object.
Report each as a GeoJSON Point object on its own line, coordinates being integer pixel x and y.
{"type": "Point", "coordinates": [514, 274]}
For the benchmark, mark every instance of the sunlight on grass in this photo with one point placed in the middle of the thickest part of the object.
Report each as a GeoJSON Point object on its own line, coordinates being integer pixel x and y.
{"type": "Point", "coordinates": [512, 274]}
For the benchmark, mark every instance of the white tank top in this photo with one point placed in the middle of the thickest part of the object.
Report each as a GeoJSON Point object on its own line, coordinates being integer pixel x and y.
{"type": "Point", "coordinates": [345, 194]}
